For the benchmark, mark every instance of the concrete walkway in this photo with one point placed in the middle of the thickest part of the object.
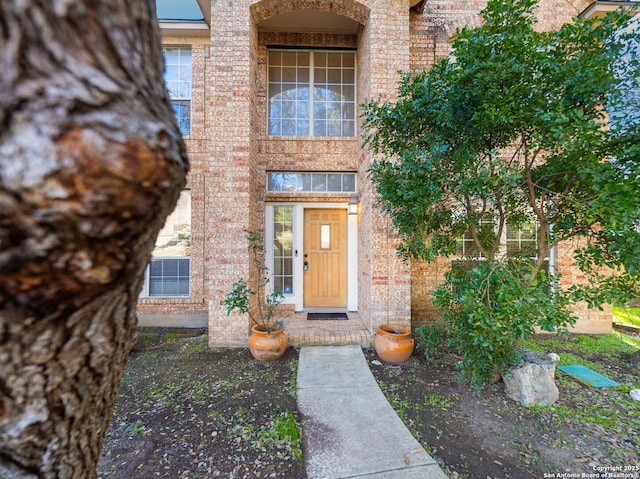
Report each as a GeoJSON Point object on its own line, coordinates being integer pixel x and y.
{"type": "Point", "coordinates": [349, 428]}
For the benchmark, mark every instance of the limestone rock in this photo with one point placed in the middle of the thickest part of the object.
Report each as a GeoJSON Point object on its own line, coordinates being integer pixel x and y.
{"type": "Point", "coordinates": [635, 360]}
{"type": "Point", "coordinates": [532, 381]}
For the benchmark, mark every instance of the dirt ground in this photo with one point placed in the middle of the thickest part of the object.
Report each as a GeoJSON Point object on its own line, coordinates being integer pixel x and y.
{"type": "Point", "coordinates": [188, 412]}
{"type": "Point", "coordinates": [488, 435]}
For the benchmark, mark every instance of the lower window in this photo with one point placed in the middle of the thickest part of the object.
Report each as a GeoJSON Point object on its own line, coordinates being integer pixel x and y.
{"type": "Point", "coordinates": [169, 277]}
{"type": "Point", "coordinates": [168, 272]}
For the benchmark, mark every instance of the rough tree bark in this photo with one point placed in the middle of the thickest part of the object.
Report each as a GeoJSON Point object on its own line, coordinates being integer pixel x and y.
{"type": "Point", "coordinates": [91, 163]}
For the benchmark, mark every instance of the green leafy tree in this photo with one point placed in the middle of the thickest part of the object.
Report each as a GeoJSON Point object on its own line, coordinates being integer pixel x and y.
{"type": "Point", "coordinates": [511, 131]}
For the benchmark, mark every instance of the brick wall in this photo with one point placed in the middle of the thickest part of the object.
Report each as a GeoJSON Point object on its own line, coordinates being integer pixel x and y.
{"type": "Point", "coordinates": [230, 151]}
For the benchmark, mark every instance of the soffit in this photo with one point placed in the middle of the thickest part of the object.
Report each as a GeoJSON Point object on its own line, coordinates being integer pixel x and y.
{"type": "Point", "coordinates": [309, 21]}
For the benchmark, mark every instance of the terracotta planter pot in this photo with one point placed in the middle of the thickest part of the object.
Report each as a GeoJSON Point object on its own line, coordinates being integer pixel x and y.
{"type": "Point", "coordinates": [393, 343]}
{"type": "Point", "coordinates": [267, 345]}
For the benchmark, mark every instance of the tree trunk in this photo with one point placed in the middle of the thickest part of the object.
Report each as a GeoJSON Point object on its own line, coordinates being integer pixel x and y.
{"type": "Point", "coordinates": [91, 163]}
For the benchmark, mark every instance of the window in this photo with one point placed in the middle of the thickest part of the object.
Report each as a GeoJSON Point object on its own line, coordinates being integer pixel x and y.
{"type": "Point", "coordinates": [168, 273]}
{"type": "Point", "coordinates": [311, 182]}
{"type": "Point", "coordinates": [312, 93]}
{"type": "Point", "coordinates": [283, 249]}
{"type": "Point", "coordinates": [169, 277]}
{"type": "Point", "coordinates": [517, 242]}
{"type": "Point", "coordinates": [520, 241]}
{"type": "Point", "coordinates": [468, 247]}
{"type": "Point", "coordinates": [624, 114]}
{"type": "Point", "coordinates": [177, 77]}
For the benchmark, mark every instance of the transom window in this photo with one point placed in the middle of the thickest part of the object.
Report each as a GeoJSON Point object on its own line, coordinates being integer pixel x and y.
{"type": "Point", "coordinates": [312, 93]}
{"type": "Point", "coordinates": [177, 77]}
{"type": "Point", "coordinates": [293, 182]}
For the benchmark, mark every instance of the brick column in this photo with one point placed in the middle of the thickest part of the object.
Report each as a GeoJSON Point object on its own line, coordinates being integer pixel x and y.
{"type": "Point", "coordinates": [231, 172]}
{"type": "Point", "coordinates": [384, 280]}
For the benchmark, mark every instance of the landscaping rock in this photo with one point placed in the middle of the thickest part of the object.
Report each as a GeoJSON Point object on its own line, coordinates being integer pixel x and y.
{"type": "Point", "coordinates": [635, 359]}
{"type": "Point", "coordinates": [533, 380]}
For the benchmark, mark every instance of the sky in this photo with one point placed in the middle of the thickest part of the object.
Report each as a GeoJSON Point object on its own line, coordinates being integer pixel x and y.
{"type": "Point", "coordinates": [179, 10]}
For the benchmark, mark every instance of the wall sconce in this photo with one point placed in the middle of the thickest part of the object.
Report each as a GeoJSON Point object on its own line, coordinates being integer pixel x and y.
{"type": "Point", "coordinates": [354, 203]}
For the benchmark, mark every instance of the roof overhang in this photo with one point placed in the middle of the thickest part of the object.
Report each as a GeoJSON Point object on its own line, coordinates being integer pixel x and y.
{"type": "Point", "coordinates": [600, 8]}
{"type": "Point", "coordinates": [184, 28]}
{"type": "Point", "coordinates": [184, 19]}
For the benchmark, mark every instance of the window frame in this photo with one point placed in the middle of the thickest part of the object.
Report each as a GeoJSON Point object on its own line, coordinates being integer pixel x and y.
{"type": "Point", "coordinates": [505, 241]}
{"type": "Point", "coordinates": [277, 276]}
{"type": "Point", "coordinates": [148, 281]}
{"type": "Point", "coordinates": [307, 182]}
{"type": "Point", "coordinates": [177, 100]}
{"type": "Point", "coordinates": [311, 85]}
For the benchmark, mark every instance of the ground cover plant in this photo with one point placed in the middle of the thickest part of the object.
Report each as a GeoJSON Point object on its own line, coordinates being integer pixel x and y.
{"type": "Point", "coordinates": [627, 316]}
{"type": "Point", "coordinates": [498, 154]}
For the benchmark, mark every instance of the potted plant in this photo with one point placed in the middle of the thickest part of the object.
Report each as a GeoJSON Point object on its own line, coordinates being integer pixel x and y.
{"type": "Point", "coordinates": [268, 340]}
{"type": "Point", "coordinates": [393, 343]}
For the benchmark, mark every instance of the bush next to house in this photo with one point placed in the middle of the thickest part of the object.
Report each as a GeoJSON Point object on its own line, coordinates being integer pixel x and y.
{"type": "Point", "coordinates": [517, 134]}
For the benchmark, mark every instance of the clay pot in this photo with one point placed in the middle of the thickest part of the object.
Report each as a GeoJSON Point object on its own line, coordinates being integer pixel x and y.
{"type": "Point", "coordinates": [393, 343]}
{"type": "Point", "coordinates": [267, 345]}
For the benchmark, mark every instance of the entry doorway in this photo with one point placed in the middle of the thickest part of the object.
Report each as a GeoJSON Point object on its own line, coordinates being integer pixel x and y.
{"type": "Point", "coordinates": [325, 258]}
{"type": "Point", "coordinates": [320, 285]}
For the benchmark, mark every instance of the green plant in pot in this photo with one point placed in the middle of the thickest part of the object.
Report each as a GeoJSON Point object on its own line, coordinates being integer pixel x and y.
{"type": "Point", "coordinates": [268, 340]}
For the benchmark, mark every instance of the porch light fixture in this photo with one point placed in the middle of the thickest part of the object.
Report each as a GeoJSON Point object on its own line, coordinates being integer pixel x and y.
{"type": "Point", "coordinates": [354, 202]}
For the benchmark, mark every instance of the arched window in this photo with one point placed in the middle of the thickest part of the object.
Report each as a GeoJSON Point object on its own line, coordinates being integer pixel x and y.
{"type": "Point", "coordinates": [312, 93]}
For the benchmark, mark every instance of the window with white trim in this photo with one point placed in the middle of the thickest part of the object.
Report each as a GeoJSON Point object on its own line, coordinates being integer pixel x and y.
{"type": "Point", "coordinates": [312, 92]}
{"type": "Point", "coordinates": [468, 247]}
{"type": "Point", "coordinates": [169, 277]}
{"type": "Point", "coordinates": [169, 272]}
{"type": "Point", "coordinates": [310, 182]}
{"type": "Point", "coordinates": [283, 249]}
{"type": "Point", "coordinates": [518, 241]}
{"type": "Point", "coordinates": [177, 77]}
{"type": "Point", "coordinates": [522, 241]}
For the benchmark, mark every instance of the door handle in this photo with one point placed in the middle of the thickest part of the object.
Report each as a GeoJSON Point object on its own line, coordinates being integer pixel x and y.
{"type": "Point", "coordinates": [305, 265]}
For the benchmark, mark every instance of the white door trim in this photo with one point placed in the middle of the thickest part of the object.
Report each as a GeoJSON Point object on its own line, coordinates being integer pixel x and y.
{"type": "Point", "coordinates": [297, 297]}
